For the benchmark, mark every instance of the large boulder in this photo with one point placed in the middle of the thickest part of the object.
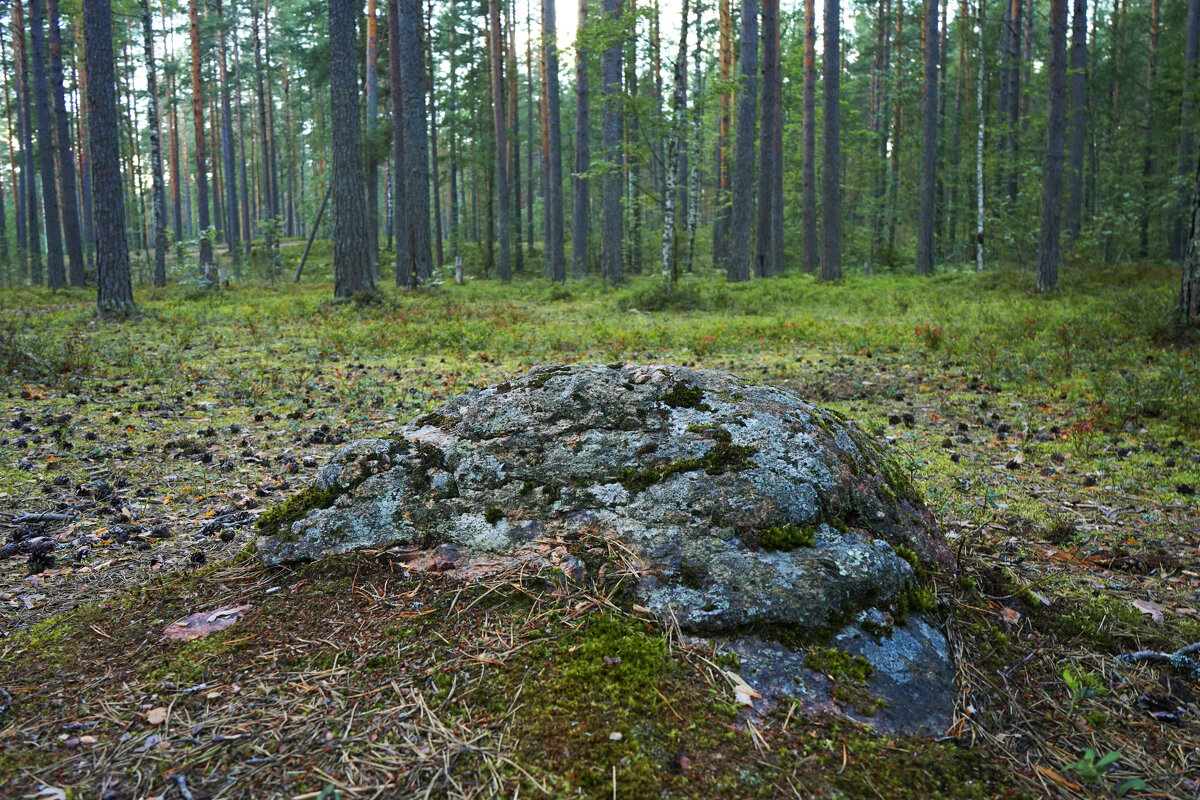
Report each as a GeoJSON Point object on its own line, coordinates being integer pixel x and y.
{"type": "Point", "coordinates": [743, 512]}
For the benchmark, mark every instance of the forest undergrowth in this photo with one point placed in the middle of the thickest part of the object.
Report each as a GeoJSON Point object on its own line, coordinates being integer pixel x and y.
{"type": "Point", "coordinates": [1054, 437]}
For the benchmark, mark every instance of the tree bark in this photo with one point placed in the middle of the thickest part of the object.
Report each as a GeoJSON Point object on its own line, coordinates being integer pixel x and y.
{"type": "Point", "coordinates": [724, 122]}
{"type": "Point", "coordinates": [158, 199]}
{"type": "Point", "coordinates": [1048, 251]}
{"type": "Point", "coordinates": [1148, 134]}
{"type": "Point", "coordinates": [503, 200]}
{"type": "Point", "coordinates": [233, 221]}
{"type": "Point", "coordinates": [1077, 117]}
{"type": "Point", "coordinates": [372, 125]}
{"type": "Point", "coordinates": [206, 252]}
{"type": "Point", "coordinates": [769, 244]}
{"type": "Point", "coordinates": [809, 252]}
{"type": "Point", "coordinates": [56, 273]}
{"type": "Point", "coordinates": [737, 266]}
{"type": "Point", "coordinates": [434, 159]}
{"type": "Point", "coordinates": [25, 124]}
{"type": "Point", "coordinates": [72, 234]}
{"type": "Point", "coordinates": [115, 288]}
{"type": "Point", "coordinates": [1189, 292]}
{"type": "Point", "coordinates": [928, 199]}
{"type": "Point", "coordinates": [556, 266]}
{"type": "Point", "coordinates": [670, 168]}
{"type": "Point", "coordinates": [1191, 57]}
{"type": "Point", "coordinates": [13, 169]}
{"type": "Point", "coordinates": [405, 275]}
{"type": "Point", "coordinates": [831, 185]}
{"type": "Point", "coordinates": [416, 139]}
{"type": "Point", "coordinates": [979, 140]}
{"type": "Point", "coordinates": [351, 241]}
{"type": "Point", "coordinates": [612, 225]}
{"type": "Point", "coordinates": [579, 210]}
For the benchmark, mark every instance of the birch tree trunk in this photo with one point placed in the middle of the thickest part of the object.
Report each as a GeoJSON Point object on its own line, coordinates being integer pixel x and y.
{"type": "Point", "coordinates": [670, 168]}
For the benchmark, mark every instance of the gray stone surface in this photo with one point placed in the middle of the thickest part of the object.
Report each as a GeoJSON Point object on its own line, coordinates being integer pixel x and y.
{"type": "Point", "coordinates": [696, 475]}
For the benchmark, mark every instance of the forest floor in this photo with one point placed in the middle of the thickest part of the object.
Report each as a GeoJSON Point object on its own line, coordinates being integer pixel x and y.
{"type": "Point", "coordinates": [1055, 438]}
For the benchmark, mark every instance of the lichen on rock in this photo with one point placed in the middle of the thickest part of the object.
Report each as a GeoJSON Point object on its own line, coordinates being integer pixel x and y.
{"type": "Point", "coordinates": [745, 511]}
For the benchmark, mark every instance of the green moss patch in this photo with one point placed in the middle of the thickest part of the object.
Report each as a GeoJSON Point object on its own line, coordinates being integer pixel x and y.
{"type": "Point", "coordinates": [278, 519]}
{"type": "Point", "coordinates": [783, 537]}
{"type": "Point", "coordinates": [683, 396]}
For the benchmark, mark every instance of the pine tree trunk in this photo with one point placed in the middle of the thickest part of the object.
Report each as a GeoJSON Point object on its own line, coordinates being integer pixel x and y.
{"type": "Point", "coordinates": [56, 272]}
{"type": "Point", "coordinates": [556, 265]}
{"type": "Point", "coordinates": [769, 243]}
{"type": "Point", "coordinates": [496, 57]}
{"type": "Point", "coordinates": [1052, 175]}
{"type": "Point", "coordinates": [233, 221]}
{"type": "Point", "coordinates": [243, 178]}
{"type": "Point", "coordinates": [1191, 57]}
{"type": "Point", "coordinates": [405, 276]}
{"type": "Point", "coordinates": [579, 209]}
{"type": "Point", "coordinates": [612, 225]}
{"type": "Point", "coordinates": [159, 193]}
{"type": "Point", "coordinates": [831, 186]}
{"type": "Point", "coordinates": [724, 123]}
{"type": "Point", "coordinates": [115, 288]}
{"type": "Point", "coordinates": [372, 124]}
{"type": "Point", "coordinates": [351, 240]}
{"type": "Point", "coordinates": [416, 139]}
{"type": "Point", "coordinates": [810, 256]}
{"type": "Point", "coordinates": [206, 253]}
{"type": "Point", "coordinates": [1147, 134]}
{"type": "Point", "coordinates": [28, 169]}
{"type": "Point", "coordinates": [1076, 117]}
{"type": "Point", "coordinates": [737, 265]}
{"type": "Point", "coordinates": [72, 235]}
{"type": "Point", "coordinates": [1189, 292]}
{"type": "Point", "coordinates": [928, 199]}
{"type": "Point", "coordinates": [435, 160]}
{"type": "Point", "coordinates": [893, 180]}
{"type": "Point", "coordinates": [266, 204]}
{"type": "Point", "coordinates": [13, 169]}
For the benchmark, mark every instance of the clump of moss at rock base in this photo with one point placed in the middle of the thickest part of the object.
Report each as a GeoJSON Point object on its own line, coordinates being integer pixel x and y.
{"type": "Point", "coordinates": [493, 515]}
{"type": "Point", "coordinates": [593, 698]}
{"type": "Point", "coordinates": [277, 520]}
{"type": "Point", "coordinates": [849, 675]}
